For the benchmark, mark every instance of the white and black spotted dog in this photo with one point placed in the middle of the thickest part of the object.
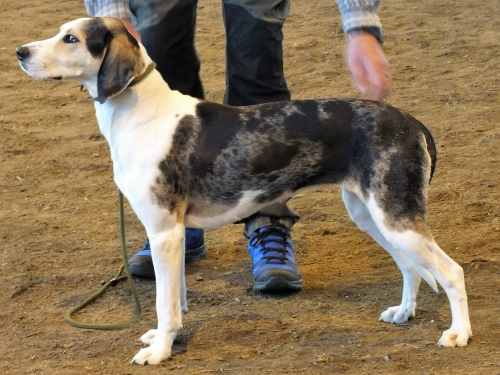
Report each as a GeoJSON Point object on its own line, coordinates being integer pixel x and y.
{"type": "Point", "coordinates": [182, 161]}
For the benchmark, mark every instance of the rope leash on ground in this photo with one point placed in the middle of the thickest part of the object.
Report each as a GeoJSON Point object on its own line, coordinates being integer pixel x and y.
{"type": "Point", "coordinates": [119, 277]}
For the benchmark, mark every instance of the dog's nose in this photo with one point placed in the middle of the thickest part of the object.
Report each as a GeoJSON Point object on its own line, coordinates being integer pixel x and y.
{"type": "Point", "coordinates": [22, 52]}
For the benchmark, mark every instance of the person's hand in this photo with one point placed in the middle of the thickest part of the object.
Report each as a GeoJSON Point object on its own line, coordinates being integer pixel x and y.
{"type": "Point", "coordinates": [131, 29]}
{"type": "Point", "coordinates": [368, 65]}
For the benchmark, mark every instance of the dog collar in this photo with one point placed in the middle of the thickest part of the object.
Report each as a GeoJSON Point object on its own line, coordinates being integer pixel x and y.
{"type": "Point", "coordinates": [148, 70]}
{"type": "Point", "coordinates": [135, 81]}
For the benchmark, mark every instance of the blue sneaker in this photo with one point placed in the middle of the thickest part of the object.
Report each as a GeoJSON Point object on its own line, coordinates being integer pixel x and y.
{"type": "Point", "coordinates": [273, 265]}
{"type": "Point", "coordinates": [141, 264]}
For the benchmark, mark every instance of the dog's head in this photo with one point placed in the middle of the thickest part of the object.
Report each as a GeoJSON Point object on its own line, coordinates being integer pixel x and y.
{"type": "Point", "coordinates": [98, 52]}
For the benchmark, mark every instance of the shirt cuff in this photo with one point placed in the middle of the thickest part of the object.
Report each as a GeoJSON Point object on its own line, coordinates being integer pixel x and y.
{"type": "Point", "coordinates": [116, 9]}
{"type": "Point", "coordinates": [359, 19]}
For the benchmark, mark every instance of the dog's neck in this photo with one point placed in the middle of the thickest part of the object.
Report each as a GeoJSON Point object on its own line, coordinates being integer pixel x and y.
{"type": "Point", "coordinates": [135, 81]}
{"type": "Point", "coordinates": [144, 74]}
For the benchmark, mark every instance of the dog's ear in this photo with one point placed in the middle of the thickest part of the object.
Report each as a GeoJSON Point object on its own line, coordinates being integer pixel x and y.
{"type": "Point", "coordinates": [97, 37]}
{"type": "Point", "coordinates": [122, 59]}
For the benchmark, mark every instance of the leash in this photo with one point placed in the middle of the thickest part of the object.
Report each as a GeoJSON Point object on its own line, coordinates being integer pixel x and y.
{"type": "Point", "coordinates": [119, 277]}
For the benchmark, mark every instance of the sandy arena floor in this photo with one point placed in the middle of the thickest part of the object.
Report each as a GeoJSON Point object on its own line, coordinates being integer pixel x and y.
{"type": "Point", "coordinates": [59, 232]}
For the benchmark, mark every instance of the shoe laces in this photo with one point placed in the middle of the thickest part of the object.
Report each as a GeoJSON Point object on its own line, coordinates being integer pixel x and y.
{"type": "Point", "coordinates": [273, 242]}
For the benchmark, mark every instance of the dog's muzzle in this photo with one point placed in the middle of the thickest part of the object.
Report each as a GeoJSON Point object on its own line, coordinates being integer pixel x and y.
{"type": "Point", "coordinates": [22, 53]}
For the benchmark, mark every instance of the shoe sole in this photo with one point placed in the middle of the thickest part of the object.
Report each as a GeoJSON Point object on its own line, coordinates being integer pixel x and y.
{"type": "Point", "coordinates": [277, 284]}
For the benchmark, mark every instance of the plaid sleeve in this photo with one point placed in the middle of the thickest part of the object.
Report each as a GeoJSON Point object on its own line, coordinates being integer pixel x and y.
{"type": "Point", "coordinates": [358, 14]}
{"type": "Point", "coordinates": [108, 8]}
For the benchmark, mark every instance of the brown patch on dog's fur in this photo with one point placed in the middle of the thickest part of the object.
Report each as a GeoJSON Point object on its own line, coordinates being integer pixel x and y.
{"type": "Point", "coordinates": [122, 60]}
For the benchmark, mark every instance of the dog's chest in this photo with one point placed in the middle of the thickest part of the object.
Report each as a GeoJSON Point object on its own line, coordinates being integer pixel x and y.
{"type": "Point", "coordinates": [137, 149]}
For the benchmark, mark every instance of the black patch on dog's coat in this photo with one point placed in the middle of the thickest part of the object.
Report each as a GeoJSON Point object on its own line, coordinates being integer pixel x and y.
{"type": "Point", "coordinates": [278, 148]}
{"type": "Point", "coordinates": [97, 37]}
{"type": "Point", "coordinates": [175, 179]}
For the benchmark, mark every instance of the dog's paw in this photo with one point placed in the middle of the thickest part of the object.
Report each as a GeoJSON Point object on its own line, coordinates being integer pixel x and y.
{"type": "Point", "coordinates": [158, 350]}
{"type": "Point", "coordinates": [397, 314]}
{"type": "Point", "coordinates": [149, 337]}
{"type": "Point", "coordinates": [152, 355]}
{"type": "Point", "coordinates": [455, 337]}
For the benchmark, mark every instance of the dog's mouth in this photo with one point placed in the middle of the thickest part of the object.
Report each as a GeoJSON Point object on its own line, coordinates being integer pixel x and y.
{"type": "Point", "coordinates": [28, 68]}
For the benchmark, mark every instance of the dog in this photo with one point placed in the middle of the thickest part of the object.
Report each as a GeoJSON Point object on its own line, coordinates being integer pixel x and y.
{"type": "Point", "coordinates": [181, 161]}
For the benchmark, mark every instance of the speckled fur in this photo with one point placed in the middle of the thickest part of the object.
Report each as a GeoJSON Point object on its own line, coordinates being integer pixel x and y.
{"type": "Point", "coordinates": [280, 148]}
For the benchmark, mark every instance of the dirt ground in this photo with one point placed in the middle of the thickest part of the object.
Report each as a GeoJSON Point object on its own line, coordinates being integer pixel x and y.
{"type": "Point", "coordinates": [59, 229]}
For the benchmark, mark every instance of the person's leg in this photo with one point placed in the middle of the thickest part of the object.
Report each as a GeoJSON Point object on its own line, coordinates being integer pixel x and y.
{"type": "Point", "coordinates": [170, 44]}
{"type": "Point", "coordinates": [254, 74]}
{"type": "Point", "coordinates": [254, 52]}
{"type": "Point", "coordinates": [270, 246]}
{"type": "Point", "coordinates": [168, 37]}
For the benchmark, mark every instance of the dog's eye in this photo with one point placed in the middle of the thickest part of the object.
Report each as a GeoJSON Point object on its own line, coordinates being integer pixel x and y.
{"type": "Point", "coordinates": [70, 39]}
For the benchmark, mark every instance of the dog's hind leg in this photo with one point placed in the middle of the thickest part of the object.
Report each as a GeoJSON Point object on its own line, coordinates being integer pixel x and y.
{"type": "Point", "coordinates": [184, 305]}
{"type": "Point", "coordinates": [411, 279]}
{"type": "Point", "coordinates": [167, 253]}
{"type": "Point", "coordinates": [414, 239]}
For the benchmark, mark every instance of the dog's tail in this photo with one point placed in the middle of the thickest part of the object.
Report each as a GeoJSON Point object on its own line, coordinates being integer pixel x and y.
{"type": "Point", "coordinates": [431, 147]}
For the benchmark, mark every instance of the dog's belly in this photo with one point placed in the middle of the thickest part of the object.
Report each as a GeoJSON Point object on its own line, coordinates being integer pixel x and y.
{"type": "Point", "coordinates": [216, 216]}
{"type": "Point", "coordinates": [210, 222]}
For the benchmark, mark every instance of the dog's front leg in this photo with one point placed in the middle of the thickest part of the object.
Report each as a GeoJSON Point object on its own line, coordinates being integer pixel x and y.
{"type": "Point", "coordinates": [166, 249]}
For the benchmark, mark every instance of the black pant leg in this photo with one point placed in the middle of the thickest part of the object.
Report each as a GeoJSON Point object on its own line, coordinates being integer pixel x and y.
{"type": "Point", "coordinates": [254, 58]}
{"type": "Point", "coordinates": [170, 44]}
